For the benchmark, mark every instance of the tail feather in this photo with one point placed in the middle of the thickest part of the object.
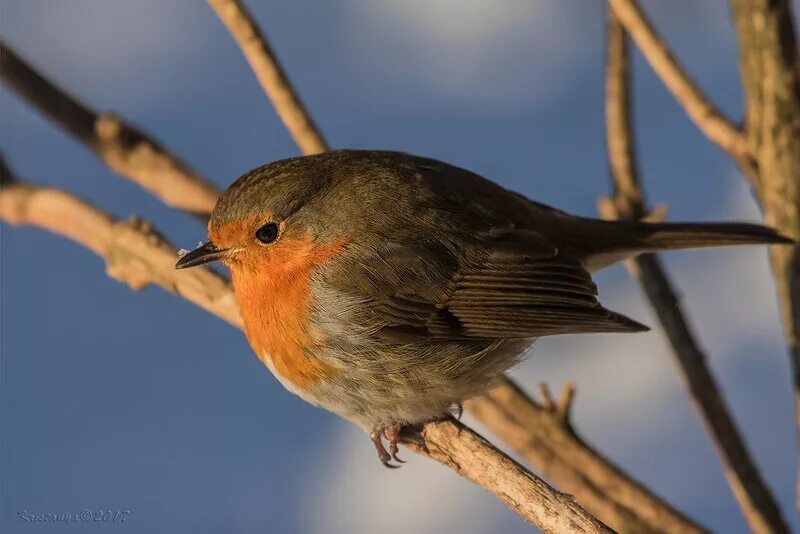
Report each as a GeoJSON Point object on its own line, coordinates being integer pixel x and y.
{"type": "Point", "coordinates": [665, 236]}
{"type": "Point", "coordinates": [626, 239]}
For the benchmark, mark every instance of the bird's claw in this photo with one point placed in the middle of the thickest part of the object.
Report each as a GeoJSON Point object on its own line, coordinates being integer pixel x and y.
{"type": "Point", "coordinates": [392, 434]}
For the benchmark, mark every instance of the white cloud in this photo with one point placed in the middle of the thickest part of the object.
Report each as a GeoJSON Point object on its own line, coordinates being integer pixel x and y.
{"type": "Point", "coordinates": [496, 55]}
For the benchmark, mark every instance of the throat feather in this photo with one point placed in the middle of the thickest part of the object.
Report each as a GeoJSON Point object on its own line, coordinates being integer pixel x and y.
{"type": "Point", "coordinates": [275, 301]}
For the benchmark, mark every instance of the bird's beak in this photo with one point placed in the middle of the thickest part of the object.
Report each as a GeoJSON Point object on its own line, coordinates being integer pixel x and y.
{"type": "Point", "coordinates": [202, 254]}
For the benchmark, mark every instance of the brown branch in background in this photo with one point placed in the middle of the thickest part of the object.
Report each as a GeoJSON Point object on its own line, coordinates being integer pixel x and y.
{"type": "Point", "coordinates": [700, 109]}
{"type": "Point", "coordinates": [270, 74]}
{"type": "Point", "coordinates": [139, 256]}
{"type": "Point", "coordinates": [770, 70]}
{"type": "Point", "coordinates": [545, 438]}
{"type": "Point", "coordinates": [754, 498]}
{"type": "Point", "coordinates": [126, 150]}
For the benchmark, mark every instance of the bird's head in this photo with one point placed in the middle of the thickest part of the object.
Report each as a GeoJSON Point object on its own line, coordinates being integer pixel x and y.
{"type": "Point", "coordinates": [272, 217]}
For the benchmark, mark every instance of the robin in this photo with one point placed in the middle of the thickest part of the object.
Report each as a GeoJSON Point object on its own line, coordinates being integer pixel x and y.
{"type": "Point", "coordinates": [388, 288]}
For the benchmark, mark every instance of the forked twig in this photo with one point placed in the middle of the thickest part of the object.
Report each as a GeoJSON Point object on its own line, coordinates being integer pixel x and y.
{"type": "Point", "coordinates": [700, 109]}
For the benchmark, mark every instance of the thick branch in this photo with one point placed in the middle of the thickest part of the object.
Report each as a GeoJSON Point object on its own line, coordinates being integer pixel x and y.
{"type": "Point", "coordinates": [545, 438]}
{"type": "Point", "coordinates": [754, 498]}
{"type": "Point", "coordinates": [139, 256]}
{"type": "Point", "coordinates": [126, 150]}
{"type": "Point", "coordinates": [270, 74]}
{"type": "Point", "coordinates": [700, 109]}
{"type": "Point", "coordinates": [770, 69]}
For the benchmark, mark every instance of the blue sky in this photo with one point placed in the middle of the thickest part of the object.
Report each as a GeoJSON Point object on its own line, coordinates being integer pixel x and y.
{"type": "Point", "coordinates": [139, 401]}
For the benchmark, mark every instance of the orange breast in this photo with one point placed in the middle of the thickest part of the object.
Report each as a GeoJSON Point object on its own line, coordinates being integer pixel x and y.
{"type": "Point", "coordinates": [273, 290]}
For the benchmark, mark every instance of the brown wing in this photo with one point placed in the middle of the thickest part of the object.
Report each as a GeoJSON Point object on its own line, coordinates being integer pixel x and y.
{"type": "Point", "coordinates": [515, 286]}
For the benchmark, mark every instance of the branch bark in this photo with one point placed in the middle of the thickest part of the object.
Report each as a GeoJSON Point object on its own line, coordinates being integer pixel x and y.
{"type": "Point", "coordinates": [755, 499]}
{"type": "Point", "coordinates": [126, 150]}
{"type": "Point", "coordinates": [770, 70]}
{"type": "Point", "coordinates": [269, 73]}
{"type": "Point", "coordinates": [139, 256]}
{"type": "Point", "coordinates": [700, 109]}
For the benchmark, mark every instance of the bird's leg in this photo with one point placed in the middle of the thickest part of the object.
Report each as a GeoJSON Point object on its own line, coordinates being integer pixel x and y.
{"type": "Point", "coordinates": [376, 437]}
{"type": "Point", "coordinates": [459, 410]}
{"type": "Point", "coordinates": [392, 433]}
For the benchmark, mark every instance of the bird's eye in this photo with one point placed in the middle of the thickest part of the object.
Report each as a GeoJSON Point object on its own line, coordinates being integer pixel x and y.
{"type": "Point", "coordinates": [267, 233]}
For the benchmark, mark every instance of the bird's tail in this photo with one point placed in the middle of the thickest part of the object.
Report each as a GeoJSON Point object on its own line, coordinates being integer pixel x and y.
{"type": "Point", "coordinates": [665, 236]}
{"type": "Point", "coordinates": [622, 239]}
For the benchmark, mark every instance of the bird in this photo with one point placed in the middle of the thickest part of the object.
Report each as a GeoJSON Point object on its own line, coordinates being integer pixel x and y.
{"type": "Point", "coordinates": [389, 288]}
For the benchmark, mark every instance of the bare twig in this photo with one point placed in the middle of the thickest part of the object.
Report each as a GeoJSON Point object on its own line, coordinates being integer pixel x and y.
{"type": "Point", "coordinates": [126, 150]}
{"type": "Point", "coordinates": [770, 69]}
{"type": "Point", "coordinates": [754, 498]}
{"type": "Point", "coordinates": [541, 437]}
{"type": "Point", "coordinates": [137, 255]}
{"type": "Point", "coordinates": [700, 109]}
{"type": "Point", "coordinates": [547, 398]}
{"type": "Point", "coordinates": [270, 74]}
{"type": "Point", "coordinates": [564, 404]}
{"type": "Point", "coordinates": [471, 456]}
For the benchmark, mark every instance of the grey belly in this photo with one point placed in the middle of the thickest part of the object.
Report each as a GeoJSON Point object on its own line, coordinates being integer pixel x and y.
{"type": "Point", "coordinates": [412, 383]}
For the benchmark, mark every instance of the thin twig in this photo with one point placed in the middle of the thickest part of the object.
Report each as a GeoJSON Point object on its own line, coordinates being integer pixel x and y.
{"type": "Point", "coordinates": [564, 404]}
{"type": "Point", "coordinates": [256, 49]}
{"type": "Point", "coordinates": [769, 63]}
{"type": "Point", "coordinates": [700, 109]}
{"type": "Point", "coordinates": [126, 150]}
{"type": "Point", "coordinates": [754, 497]}
{"type": "Point", "coordinates": [137, 255]}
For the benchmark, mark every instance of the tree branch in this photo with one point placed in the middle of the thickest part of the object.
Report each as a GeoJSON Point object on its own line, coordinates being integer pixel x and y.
{"type": "Point", "coordinates": [755, 499]}
{"type": "Point", "coordinates": [700, 109]}
{"type": "Point", "coordinates": [135, 253]}
{"type": "Point", "coordinates": [546, 439]}
{"type": "Point", "coordinates": [770, 70]}
{"type": "Point", "coordinates": [139, 256]}
{"type": "Point", "coordinates": [270, 74]}
{"type": "Point", "coordinates": [127, 151]}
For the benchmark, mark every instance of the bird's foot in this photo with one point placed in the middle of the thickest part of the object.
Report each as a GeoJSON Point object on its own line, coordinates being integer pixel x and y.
{"type": "Point", "coordinates": [392, 434]}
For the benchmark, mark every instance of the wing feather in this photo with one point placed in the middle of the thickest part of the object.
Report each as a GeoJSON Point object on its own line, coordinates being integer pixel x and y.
{"type": "Point", "coordinates": [514, 284]}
